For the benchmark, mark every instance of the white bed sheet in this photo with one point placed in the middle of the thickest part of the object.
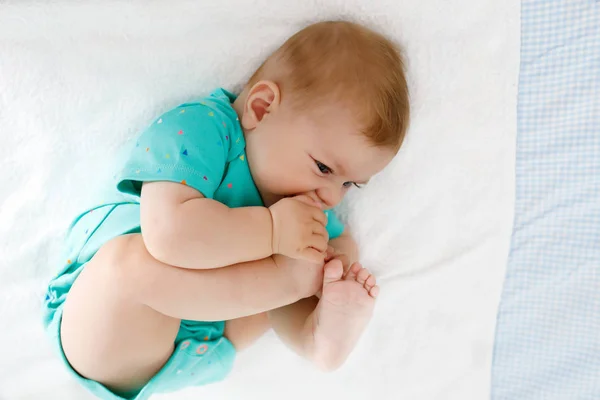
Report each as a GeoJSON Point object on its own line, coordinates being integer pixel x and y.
{"type": "Point", "coordinates": [79, 79]}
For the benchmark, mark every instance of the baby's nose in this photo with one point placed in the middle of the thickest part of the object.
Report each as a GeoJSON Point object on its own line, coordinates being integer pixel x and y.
{"type": "Point", "coordinates": [329, 197]}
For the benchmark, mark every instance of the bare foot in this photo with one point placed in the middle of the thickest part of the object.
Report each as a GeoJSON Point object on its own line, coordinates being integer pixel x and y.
{"type": "Point", "coordinates": [344, 310]}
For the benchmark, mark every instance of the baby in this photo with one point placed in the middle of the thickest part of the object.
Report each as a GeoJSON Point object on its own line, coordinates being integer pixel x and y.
{"type": "Point", "coordinates": [224, 228]}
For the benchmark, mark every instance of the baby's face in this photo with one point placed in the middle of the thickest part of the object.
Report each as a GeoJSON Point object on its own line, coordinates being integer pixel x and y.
{"type": "Point", "coordinates": [323, 156]}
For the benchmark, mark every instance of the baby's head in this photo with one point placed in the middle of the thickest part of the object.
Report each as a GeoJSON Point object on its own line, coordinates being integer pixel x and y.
{"type": "Point", "coordinates": [325, 112]}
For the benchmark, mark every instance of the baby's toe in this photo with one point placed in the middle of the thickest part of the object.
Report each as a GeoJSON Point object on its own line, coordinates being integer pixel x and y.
{"type": "Point", "coordinates": [362, 276]}
{"type": "Point", "coordinates": [374, 291]}
{"type": "Point", "coordinates": [333, 271]}
{"type": "Point", "coordinates": [370, 282]}
{"type": "Point", "coordinates": [353, 271]}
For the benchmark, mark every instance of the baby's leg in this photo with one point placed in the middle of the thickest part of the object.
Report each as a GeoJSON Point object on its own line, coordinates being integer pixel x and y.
{"type": "Point", "coordinates": [123, 312]}
{"type": "Point", "coordinates": [242, 332]}
{"type": "Point", "coordinates": [325, 331]}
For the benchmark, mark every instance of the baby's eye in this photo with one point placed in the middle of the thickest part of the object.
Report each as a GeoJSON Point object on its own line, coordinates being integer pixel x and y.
{"type": "Point", "coordinates": [348, 184]}
{"type": "Point", "coordinates": [323, 168]}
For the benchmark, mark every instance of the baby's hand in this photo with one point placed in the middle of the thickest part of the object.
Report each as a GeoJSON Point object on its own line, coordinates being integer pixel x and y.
{"type": "Point", "coordinates": [299, 229]}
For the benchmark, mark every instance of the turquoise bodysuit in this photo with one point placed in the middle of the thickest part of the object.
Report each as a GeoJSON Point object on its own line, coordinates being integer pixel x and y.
{"type": "Point", "coordinates": [199, 144]}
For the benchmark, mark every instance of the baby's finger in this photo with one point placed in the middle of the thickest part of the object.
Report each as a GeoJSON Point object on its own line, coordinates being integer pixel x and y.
{"type": "Point", "coordinates": [312, 255]}
{"type": "Point", "coordinates": [320, 217]}
{"type": "Point", "coordinates": [309, 201]}
{"type": "Point", "coordinates": [320, 230]}
{"type": "Point", "coordinates": [318, 242]}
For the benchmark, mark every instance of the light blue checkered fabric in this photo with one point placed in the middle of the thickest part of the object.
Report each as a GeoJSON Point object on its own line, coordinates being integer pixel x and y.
{"type": "Point", "coordinates": [548, 334]}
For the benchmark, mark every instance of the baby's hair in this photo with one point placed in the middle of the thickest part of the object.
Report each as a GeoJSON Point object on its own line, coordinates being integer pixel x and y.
{"type": "Point", "coordinates": [348, 63]}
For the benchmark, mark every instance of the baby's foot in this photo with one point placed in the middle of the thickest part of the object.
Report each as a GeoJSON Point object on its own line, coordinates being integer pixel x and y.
{"type": "Point", "coordinates": [344, 310]}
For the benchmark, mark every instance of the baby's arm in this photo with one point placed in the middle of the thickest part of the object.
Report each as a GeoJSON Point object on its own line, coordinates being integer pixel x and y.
{"type": "Point", "coordinates": [181, 227]}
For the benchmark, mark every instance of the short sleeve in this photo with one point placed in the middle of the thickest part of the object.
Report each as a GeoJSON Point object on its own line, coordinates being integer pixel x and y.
{"type": "Point", "coordinates": [186, 145]}
{"type": "Point", "coordinates": [334, 226]}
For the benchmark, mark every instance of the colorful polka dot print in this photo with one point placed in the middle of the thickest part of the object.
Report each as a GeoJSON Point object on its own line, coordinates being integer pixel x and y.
{"type": "Point", "coordinates": [183, 146]}
{"type": "Point", "coordinates": [201, 349]}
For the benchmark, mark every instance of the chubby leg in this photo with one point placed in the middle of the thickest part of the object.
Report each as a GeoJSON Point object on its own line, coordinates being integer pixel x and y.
{"type": "Point", "coordinates": [294, 325]}
{"type": "Point", "coordinates": [123, 312]}
{"type": "Point", "coordinates": [242, 332]}
{"type": "Point", "coordinates": [326, 330]}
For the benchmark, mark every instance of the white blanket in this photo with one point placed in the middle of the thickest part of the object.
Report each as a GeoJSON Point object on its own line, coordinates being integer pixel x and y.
{"type": "Point", "coordinates": [78, 80]}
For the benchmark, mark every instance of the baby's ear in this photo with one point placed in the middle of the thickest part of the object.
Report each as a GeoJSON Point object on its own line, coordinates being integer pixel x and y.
{"type": "Point", "coordinates": [263, 98]}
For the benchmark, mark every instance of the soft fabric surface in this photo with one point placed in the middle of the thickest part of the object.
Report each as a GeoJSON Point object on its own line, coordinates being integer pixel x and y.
{"type": "Point", "coordinates": [548, 341]}
{"type": "Point", "coordinates": [78, 80]}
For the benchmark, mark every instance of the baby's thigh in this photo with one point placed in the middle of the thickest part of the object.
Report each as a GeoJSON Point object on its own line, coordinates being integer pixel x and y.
{"type": "Point", "coordinates": [242, 332]}
{"type": "Point", "coordinates": [107, 335]}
